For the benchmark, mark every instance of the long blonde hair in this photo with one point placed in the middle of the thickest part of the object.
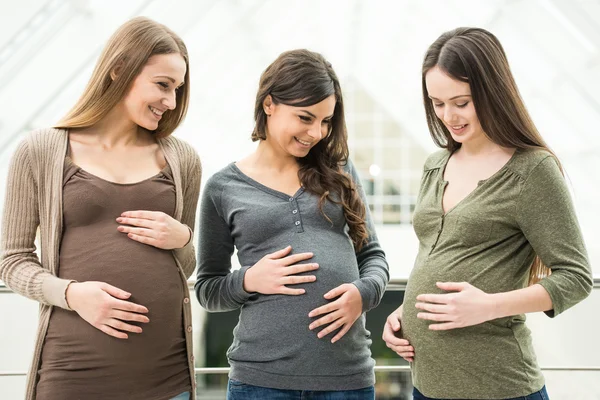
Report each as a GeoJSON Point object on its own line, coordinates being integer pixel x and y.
{"type": "Point", "coordinates": [123, 58]}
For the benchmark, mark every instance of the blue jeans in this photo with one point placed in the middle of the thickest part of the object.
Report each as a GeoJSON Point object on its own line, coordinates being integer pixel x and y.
{"type": "Point", "coordinates": [241, 391]}
{"type": "Point", "coordinates": [541, 395]}
{"type": "Point", "coordinates": [182, 396]}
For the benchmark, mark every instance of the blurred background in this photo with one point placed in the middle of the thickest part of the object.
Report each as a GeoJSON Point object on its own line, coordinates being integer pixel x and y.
{"type": "Point", "coordinates": [48, 49]}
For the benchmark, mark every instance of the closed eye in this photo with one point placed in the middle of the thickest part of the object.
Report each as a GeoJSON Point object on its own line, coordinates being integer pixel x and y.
{"type": "Point", "coordinates": [304, 118]}
{"type": "Point", "coordinates": [462, 105]}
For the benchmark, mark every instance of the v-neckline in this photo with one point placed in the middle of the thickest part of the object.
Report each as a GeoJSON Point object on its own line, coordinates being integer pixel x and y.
{"type": "Point", "coordinates": [444, 183]}
{"type": "Point", "coordinates": [265, 188]}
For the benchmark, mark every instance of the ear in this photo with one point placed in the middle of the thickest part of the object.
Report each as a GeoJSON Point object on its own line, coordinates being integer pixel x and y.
{"type": "Point", "coordinates": [114, 73]}
{"type": "Point", "coordinates": [268, 105]}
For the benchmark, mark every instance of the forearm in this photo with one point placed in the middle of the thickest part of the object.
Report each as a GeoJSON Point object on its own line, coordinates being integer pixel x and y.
{"type": "Point", "coordinates": [530, 299]}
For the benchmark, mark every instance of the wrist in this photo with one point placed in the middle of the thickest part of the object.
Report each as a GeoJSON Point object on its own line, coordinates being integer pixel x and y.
{"type": "Point", "coordinates": [186, 235]}
{"type": "Point", "coordinates": [493, 306]}
{"type": "Point", "coordinates": [247, 282]}
{"type": "Point", "coordinates": [70, 294]}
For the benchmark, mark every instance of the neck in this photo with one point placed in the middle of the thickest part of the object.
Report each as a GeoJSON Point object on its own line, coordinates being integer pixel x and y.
{"type": "Point", "coordinates": [481, 146]}
{"type": "Point", "coordinates": [115, 130]}
{"type": "Point", "coordinates": [267, 157]}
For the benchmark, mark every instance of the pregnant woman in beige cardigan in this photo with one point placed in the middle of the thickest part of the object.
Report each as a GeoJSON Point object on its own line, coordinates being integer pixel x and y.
{"type": "Point", "coordinates": [114, 198]}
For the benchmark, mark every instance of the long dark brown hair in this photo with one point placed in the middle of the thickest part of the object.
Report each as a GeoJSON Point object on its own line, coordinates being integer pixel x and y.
{"type": "Point", "coordinates": [302, 78]}
{"type": "Point", "coordinates": [475, 56]}
{"type": "Point", "coordinates": [127, 51]}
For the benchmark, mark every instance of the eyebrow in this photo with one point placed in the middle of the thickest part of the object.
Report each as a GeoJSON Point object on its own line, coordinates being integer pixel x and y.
{"type": "Point", "coordinates": [314, 116]}
{"type": "Point", "coordinates": [455, 97]}
{"type": "Point", "coordinates": [169, 78]}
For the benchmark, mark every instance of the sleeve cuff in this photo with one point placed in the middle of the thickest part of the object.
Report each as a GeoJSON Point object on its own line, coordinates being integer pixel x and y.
{"type": "Point", "coordinates": [54, 291]}
{"type": "Point", "coordinates": [364, 294]}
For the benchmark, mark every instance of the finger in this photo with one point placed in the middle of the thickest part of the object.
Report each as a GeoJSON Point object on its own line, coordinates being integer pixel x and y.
{"type": "Point", "coordinates": [409, 359]}
{"type": "Point", "coordinates": [434, 298]}
{"type": "Point", "coordinates": [144, 223]}
{"type": "Point", "coordinates": [338, 291]}
{"type": "Point", "coordinates": [122, 326]}
{"type": "Point", "coordinates": [300, 268]}
{"type": "Point", "coordinates": [279, 253]}
{"type": "Point", "coordinates": [128, 316]}
{"type": "Point", "coordinates": [138, 231]}
{"type": "Point", "coordinates": [444, 327]}
{"type": "Point", "coordinates": [113, 332]}
{"type": "Point", "coordinates": [294, 280]}
{"type": "Point", "coordinates": [327, 308]}
{"type": "Point", "coordinates": [341, 333]}
{"type": "Point", "coordinates": [115, 292]}
{"type": "Point", "coordinates": [329, 318]}
{"type": "Point", "coordinates": [406, 350]}
{"type": "Point", "coordinates": [435, 308]}
{"type": "Point", "coordinates": [452, 286]}
{"type": "Point", "coordinates": [129, 306]}
{"type": "Point", "coordinates": [143, 214]}
{"type": "Point", "coordinates": [435, 317]}
{"type": "Point", "coordinates": [390, 338]}
{"type": "Point", "coordinates": [335, 325]}
{"type": "Point", "coordinates": [296, 258]}
{"type": "Point", "coordinates": [143, 239]}
{"type": "Point", "coordinates": [394, 322]}
{"type": "Point", "coordinates": [291, 292]}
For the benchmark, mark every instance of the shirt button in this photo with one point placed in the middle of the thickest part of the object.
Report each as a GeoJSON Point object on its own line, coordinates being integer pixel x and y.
{"type": "Point", "coordinates": [186, 300]}
{"type": "Point", "coordinates": [297, 222]}
{"type": "Point", "coordinates": [189, 328]}
{"type": "Point", "coordinates": [192, 358]}
{"type": "Point", "coordinates": [291, 199]}
{"type": "Point", "coordinates": [294, 212]}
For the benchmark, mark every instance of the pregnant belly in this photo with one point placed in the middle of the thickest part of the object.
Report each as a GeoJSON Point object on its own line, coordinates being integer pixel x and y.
{"type": "Point", "coordinates": [154, 281]}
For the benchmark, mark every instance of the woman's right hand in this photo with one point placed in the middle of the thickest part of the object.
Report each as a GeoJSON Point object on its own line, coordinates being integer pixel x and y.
{"type": "Point", "coordinates": [401, 346]}
{"type": "Point", "coordinates": [105, 307]}
{"type": "Point", "coordinates": [274, 271]}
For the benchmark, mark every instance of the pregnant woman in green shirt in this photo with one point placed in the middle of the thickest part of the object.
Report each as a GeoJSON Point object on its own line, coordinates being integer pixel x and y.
{"type": "Point", "coordinates": [498, 235]}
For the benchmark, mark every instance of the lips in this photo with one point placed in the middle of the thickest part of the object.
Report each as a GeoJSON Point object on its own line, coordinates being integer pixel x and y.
{"type": "Point", "coordinates": [302, 142]}
{"type": "Point", "coordinates": [156, 112]}
{"type": "Point", "coordinates": [457, 129]}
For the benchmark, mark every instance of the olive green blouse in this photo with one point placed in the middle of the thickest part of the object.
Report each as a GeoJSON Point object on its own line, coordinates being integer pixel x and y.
{"type": "Point", "coordinates": [489, 240]}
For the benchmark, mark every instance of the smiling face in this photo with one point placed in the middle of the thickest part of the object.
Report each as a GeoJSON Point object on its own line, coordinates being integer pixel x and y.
{"type": "Point", "coordinates": [295, 130]}
{"type": "Point", "coordinates": [453, 105]}
{"type": "Point", "coordinates": [153, 91]}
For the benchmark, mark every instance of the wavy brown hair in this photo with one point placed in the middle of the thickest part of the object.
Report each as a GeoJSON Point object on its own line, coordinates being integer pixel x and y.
{"type": "Point", "coordinates": [475, 56]}
{"type": "Point", "coordinates": [301, 78]}
{"type": "Point", "coordinates": [124, 56]}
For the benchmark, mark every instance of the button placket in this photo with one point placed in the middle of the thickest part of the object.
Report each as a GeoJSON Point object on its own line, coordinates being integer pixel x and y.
{"type": "Point", "coordinates": [296, 215]}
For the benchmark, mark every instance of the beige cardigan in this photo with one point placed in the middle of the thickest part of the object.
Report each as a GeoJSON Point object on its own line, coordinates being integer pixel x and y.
{"type": "Point", "coordinates": [34, 199]}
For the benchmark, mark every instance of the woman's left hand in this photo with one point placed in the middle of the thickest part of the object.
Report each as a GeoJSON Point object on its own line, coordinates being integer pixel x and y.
{"type": "Point", "coordinates": [467, 306]}
{"type": "Point", "coordinates": [341, 313]}
{"type": "Point", "coordinates": [154, 228]}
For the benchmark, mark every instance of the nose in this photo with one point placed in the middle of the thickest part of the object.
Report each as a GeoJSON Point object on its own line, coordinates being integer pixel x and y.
{"type": "Point", "coordinates": [170, 100]}
{"type": "Point", "coordinates": [448, 114]}
{"type": "Point", "coordinates": [315, 130]}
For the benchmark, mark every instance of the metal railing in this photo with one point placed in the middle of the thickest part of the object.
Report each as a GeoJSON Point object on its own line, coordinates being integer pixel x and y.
{"type": "Point", "coordinates": [394, 284]}
{"type": "Point", "coordinates": [380, 368]}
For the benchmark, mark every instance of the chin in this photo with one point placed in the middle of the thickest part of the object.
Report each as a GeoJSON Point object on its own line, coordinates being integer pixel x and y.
{"type": "Point", "coordinates": [152, 126]}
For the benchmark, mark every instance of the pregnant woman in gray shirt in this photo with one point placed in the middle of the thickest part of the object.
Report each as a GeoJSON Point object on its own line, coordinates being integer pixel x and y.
{"type": "Point", "coordinates": [311, 262]}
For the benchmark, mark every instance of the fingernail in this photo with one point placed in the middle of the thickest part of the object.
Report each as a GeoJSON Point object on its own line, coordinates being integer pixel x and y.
{"type": "Point", "coordinates": [333, 340]}
{"type": "Point", "coordinates": [119, 219]}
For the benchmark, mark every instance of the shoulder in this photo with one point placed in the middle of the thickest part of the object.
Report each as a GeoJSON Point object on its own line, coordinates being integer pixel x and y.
{"type": "Point", "coordinates": [436, 160]}
{"type": "Point", "coordinates": [530, 161]}
{"type": "Point", "coordinates": [219, 180]}
{"type": "Point", "coordinates": [182, 149]}
{"type": "Point", "coordinates": [45, 140]}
